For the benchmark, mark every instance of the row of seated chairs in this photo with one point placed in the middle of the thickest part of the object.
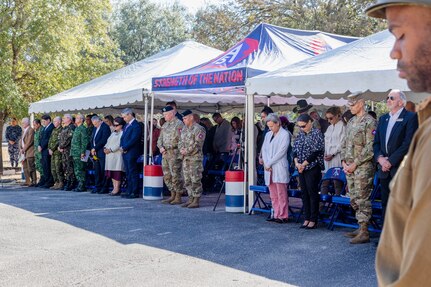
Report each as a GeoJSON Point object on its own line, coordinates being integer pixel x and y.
{"type": "Point", "coordinates": [336, 209]}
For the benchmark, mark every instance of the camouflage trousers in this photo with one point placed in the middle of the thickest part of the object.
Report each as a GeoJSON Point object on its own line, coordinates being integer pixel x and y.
{"type": "Point", "coordinates": [38, 162]}
{"type": "Point", "coordinates": [67, 162]}
{"type": "Point", "coordinates": [171, 166]}
{"type": "Point", "coordinates": [13, 150]}
{"type": "Point", "coordinates": [79, 169]}
{"type": "Point", "coordinates": [57, 167]}
{"type": "Point", "coordinates": [192, 171]}
{"type": "Point", "coordinates": [360, 184]}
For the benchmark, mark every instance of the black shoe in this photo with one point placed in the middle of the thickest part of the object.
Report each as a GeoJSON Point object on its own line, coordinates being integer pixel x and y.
{"type": "Point", "coordinates": [94, 191]}
{"type": "Point", "coordinates": [270, 219]}
{"type": "Point", "coordinates": [278, 220]}
{"type": "Point", "coordinates": [131, 196]}
{"type": "Point", "coordinates": [311, 227]}
{"type": "Point", "coordinates": [304, 226]}
{"type": "Point", "coordinates": [103, 191]}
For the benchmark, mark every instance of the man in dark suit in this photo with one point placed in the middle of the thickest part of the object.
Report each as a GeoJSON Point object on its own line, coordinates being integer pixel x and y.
{"type": "Point", "coordinates": [131, 146]}
{"type": "Point", "coordinates": [99, 137]}
{"type": "Point", "coordinates": [46, 181]}
{"type": "Point", "coordinates": [392, 140]}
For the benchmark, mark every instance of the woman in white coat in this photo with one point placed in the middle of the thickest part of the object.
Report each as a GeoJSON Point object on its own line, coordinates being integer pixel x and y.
{"type": "Point", "coordinates": [114, 165]}
{"type": "Point", "coordinates": [334, 137]}
{"type": "Point", "coordinates": [274, 160]}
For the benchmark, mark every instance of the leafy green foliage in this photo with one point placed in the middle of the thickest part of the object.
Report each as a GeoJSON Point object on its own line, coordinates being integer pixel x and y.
{"type": "Point", "coordinates": [223, 25]}
{"type": "Point", "coordinates": [143, 28]}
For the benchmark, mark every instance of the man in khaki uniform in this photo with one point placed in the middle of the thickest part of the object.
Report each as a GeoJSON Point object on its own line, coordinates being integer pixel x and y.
{"type": "Point", "coordinates": [190, 146]}
{"type": "Point", "coordinates": [404, 252]}
{"type": "Point", "coordinates": [357, 158]}
{"type": "Point", "coordinates": [171, 162]}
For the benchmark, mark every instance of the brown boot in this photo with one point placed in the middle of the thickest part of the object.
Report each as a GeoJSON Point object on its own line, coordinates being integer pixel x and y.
{"type": "Point", "coordinates": [54, 186]}
{"type": "Point", "coordinates": [189, 201]}
{"type": "Point", "coordinates": [353, 233]}
{"type": "Point", "coordinates": [195, 203]}
{"type": "Point", "coordinates": [59, 186]}
{"type": "Point", "coordinates": [168, 200]}
{"type": "Point", "coordinates": [177, 199]}
{"type": "Point", "coordinates": [363, 235]}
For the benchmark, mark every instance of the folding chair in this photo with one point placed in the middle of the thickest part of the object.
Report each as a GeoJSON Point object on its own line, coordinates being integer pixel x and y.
{"type": "Point", "coordinates": [331, 175]}
{"type": "Point", "coordinates": [219, 168]}
{"type": "Point", "coordinates": [294, 191]}
{"type": "Point", "coordinates": [343, 214]}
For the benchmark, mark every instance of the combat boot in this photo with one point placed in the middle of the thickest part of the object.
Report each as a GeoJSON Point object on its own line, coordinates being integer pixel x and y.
{"type": "Point", "coordinates": [70, 185]}
{"type": "Point", "coordinates": [54, 186]}
{"type": "Point", "coordinates": [195, 203]}
{"type": "Point", "coordinates": [168, 200]}
{"type": "Point", "coordinates": [363, 235]}
{"type": "Point", "coordinates": [177, 199]}
{"type": "Point", "coordinates": [60, 185]}
{"type": "Point", "coordinates": [189, 201]}
{"type": "Point", "coordinates": [353, 233]}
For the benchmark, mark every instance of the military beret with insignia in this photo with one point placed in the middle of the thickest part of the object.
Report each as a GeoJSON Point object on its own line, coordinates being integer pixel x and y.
{"type": "Point", "coordinates": [167, 109]}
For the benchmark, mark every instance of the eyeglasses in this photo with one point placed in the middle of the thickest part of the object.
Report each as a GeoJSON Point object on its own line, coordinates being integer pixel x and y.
{"type": "Point", "coordinates": [390, 98]}
{"type": "Point", "coordinates": [302, 127]}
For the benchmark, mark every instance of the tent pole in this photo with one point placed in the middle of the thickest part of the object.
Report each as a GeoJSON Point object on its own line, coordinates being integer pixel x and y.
{"type": "Point", "coordinates": [245, 130]}
{"type": "Point", "coordinates": [151, 129]}
{"type": "Point", "coordinates": [251, 168]}
{"type": "Point", "coordinates": [145, 98]}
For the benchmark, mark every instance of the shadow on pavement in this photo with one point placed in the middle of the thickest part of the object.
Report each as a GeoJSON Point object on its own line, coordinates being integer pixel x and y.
{"type": "Point", "coordinates": [281, 252]}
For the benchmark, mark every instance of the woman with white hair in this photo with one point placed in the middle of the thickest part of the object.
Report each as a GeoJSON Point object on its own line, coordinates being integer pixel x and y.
{"type": "Point", "coordinates": [274, 160]}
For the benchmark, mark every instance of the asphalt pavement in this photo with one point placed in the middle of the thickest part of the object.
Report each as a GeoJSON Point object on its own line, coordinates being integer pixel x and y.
{"type": "Point", "coordinates": [59, 238]}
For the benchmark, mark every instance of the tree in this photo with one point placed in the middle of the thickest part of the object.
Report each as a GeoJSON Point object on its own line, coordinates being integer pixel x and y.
{"type": "Point", "coordinates": [47, 46]}
{"type": "Point", "coordinates": [220, 26]}
{"type": "Point", "coordinates": [225, 24]}
{"type": "Point", "coordinates": [143, 28]}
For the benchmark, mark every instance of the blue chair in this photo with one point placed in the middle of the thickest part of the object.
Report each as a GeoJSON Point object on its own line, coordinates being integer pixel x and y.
{"type": "Point", "coordinates": [219, 168]}
{"type": "Point", "coordinates": [262, 205]}
{"type": "Point", "coordinates": [294, 191]}
{"type": "Point", "coordinates": [331, 175]}
{"type": "Point", "coordinates": [342, 214]}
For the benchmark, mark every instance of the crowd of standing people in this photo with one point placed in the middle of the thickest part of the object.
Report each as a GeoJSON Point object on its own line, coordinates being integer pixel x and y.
{"type": "Point", "coordinates": [63, 150]}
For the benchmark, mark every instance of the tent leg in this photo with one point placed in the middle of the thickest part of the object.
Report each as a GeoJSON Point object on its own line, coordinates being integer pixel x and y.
{"type": "Point", "coordinates": [251, 156]}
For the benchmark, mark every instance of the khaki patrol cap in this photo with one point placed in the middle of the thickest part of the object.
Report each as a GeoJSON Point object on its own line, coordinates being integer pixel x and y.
{"type": "Point", "coordinates": [378, 9]}
{"type": "Point", "coordinates": [354, 98]}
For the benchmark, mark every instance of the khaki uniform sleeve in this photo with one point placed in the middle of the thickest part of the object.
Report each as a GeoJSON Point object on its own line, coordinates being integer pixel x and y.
{"type": "Point", "coordinates": [367, 153]}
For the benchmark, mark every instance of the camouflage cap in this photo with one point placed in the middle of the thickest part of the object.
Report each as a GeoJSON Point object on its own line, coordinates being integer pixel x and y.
{"type": "Point", "coordinates": [377, 10]}
{"type": "Point", "coordinates": [354, 98]}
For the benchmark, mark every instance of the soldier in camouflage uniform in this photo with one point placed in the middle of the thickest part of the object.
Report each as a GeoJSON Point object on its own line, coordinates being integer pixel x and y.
{"type": "Point", "coordinates": [13, 135]}
{"type": "Point", "coordinates": [190, 146]}
{"type": "Point", "coordinates": [64, 145]}
{"type": "Point", "coordinates": [38, 128]}
{"type": "Point", "coordinates": [357, 160]}
{"type": "Point", "coordinates": [56, 164]}
{"type": "Point", "coordinates": [79, 144]}
{"type": "Point", "coordinates": [171, 162]}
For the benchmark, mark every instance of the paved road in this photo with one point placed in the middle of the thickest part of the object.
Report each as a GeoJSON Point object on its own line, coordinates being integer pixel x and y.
{"type": "Point", "coordinates": [58, 238]}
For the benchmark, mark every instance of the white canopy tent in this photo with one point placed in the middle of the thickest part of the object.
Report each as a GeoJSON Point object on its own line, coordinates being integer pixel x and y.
{"type": "Point", "coordinates": [124, 87]}
{"type": "Point", "coordinates": [363, 65]}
